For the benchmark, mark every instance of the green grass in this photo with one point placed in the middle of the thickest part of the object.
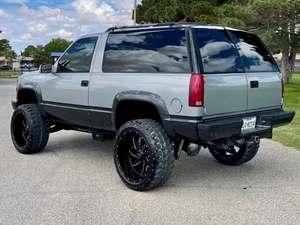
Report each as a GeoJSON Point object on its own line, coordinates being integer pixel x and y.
{"type": "Point", "coordinates": [9, 74]}
{"type": "Point", "coordinates": [290, 135]}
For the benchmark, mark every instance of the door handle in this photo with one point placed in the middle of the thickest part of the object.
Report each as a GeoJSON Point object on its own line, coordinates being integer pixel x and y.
{"type": "Point", "coordinates": [254, 84]}
{"type": "Point", "coordinates": [84, 83]}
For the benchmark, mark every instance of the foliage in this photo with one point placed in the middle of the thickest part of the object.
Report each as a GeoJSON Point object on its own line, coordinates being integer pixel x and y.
{"type": "Point", "coordinates": [29, 51]}
{"type": "Point", "coordinates": [202, 11]}
{"type": "Point", "coordinates": [4, 45]}
{"type": "Point", "coordinates": [290, 135]}
{"type": "Point", "coordinates": [6, 50]}
{"type": "Point", "coordinates": [41, 54]}
{"type": "Point", "coordinates": [56, 45]}
{"type": "Point", "coordinates": [275, 21]}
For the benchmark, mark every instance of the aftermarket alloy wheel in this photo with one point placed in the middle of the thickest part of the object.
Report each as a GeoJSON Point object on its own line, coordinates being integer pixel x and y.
{"type": "Point", "coordinates": [143, 154]}
{"type": "Point", "coordinates": [29, 131]}
{"type": "Point", "coordinates": [237, 154]}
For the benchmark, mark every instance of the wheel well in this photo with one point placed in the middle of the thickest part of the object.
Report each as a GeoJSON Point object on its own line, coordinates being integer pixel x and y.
{"type": "Point", "coordinates": [26, 96]}
{"type": "Point", "coordinates": [129, 110]}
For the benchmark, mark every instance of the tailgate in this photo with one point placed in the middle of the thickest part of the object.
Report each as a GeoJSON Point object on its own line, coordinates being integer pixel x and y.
{"type": "Point", "coordinates": [263, 77]}
{"type": "Point", "coordinates": [240, 73]}
{"type": "Point", "coordinates": [264, 90]}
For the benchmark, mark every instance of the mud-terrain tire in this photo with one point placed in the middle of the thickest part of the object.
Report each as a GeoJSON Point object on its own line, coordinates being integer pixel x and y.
{"type": "Point", "coordinates": [29, 131]}
{"type": "Point", "coordinates": [143, 154]}
{"type": "Point", "coordinates": [245, 153]}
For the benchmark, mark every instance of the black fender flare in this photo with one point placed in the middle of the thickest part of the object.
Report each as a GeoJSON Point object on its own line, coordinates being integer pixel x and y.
{"type": "Point", "coordinates": [30, 87]}
{"type": "Point", "coordinates": [147, 97]}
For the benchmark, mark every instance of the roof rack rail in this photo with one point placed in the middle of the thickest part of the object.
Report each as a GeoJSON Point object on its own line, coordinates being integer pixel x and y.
{"type": "Point", "coordinates": [153, 25]}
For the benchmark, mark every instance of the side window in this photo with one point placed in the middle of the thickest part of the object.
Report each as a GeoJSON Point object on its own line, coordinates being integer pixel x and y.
{"type": "Point", "coordinates": [150, 51]}
{"type": "Point", "coordinates": [218, 53]}
{"type": "Point", "coordinates": [78, 57]}
{"type": "Point", "coordinates": [254, 54]}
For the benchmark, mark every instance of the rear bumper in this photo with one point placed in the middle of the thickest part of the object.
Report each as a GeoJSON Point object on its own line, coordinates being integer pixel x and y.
{"type": "Point", "coordinates": [224, 127]}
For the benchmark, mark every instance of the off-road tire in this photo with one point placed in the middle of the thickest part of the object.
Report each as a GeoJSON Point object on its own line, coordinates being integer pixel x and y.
{"type": "Point", "coordinates": [38, 132]}
{"type": "Point", "coordinates": [246, 152]}
{"type": "Point", "coordinates": [161, 153]}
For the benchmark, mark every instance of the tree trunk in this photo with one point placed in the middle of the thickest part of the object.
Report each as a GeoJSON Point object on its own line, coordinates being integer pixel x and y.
{"type": "Point", "coordinates": [285, 67]}
{"type": "Point", "coordinates": [292, 60]}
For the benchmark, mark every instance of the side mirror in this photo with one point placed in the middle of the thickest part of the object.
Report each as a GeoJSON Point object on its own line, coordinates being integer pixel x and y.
{"type": "Point", "coordinates": [46, 68]}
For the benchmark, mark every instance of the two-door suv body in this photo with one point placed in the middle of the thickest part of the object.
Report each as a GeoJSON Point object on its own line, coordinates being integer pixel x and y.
{"type": "Point", "coordinates": [158, 90]}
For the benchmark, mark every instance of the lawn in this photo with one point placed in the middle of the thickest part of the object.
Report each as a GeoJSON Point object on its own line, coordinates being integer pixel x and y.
{"type": "Point", "coordinates": [290, 135]}
{"type": "Point", "coordinates": [9, 74]}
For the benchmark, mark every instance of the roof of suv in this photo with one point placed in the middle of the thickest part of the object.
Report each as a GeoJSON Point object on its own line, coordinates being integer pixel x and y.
{"type": "Point", "coordinates": [165, 25]}
{"type": "Point", "coordinates": [160, 25]}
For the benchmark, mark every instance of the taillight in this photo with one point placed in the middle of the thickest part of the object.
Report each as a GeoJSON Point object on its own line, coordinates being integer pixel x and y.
{"type": "Point", "coordinates": [196, 94]}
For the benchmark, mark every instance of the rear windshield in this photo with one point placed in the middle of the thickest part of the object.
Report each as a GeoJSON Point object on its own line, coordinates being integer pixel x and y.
{"type": "Point", "coordinates": [147, 51]}
{"type": "Point", "coordinates": [255, 56]}
{"type": "Point", "coordinates": [241, 52]}
{"type": "Point", "coordinates": [218, 53]}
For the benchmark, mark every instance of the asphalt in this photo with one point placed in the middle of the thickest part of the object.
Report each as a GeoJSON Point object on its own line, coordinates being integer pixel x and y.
{"type": "Point", "coordinates": [73, 181]}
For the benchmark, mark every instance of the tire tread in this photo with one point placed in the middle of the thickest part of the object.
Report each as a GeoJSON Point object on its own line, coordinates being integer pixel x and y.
{"type": "Point", "coordinates": [154, 131]}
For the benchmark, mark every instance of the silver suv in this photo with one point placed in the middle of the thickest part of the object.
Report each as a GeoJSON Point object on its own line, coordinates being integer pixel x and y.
{"type": "Point", "coordinates": [158, 90]}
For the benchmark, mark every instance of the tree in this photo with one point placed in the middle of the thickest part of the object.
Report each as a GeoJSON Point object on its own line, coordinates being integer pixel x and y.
{"type": "Point", "coordinates": [30, 51]}
{"type": "Point", "coordinates": [55, 45]}
{"type": "Point", "coordinates": [42, 54]}
{"type": "Point", "coordinates": [277, 22]}
{"type": "Point", "coordinates": [225, 12]}
{"type": "Point", "coordinates": [4, 45]}
{"type": "Point", "coordinates": [40, 57]}
{"type": "Point", "coordinates": [6, 50]}
{"type": "Point", "coordinates": [10, 54]}
{"type": "Point", "coordinates": [37, 53]}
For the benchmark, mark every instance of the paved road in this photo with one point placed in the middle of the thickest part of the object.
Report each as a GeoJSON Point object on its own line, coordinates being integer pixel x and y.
{"type": "Point", "coordinates": [74, 182]}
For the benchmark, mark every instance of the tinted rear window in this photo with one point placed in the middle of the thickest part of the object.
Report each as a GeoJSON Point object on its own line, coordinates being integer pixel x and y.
{"type": "Point", "coordinates": [218, 53]}
{"type": "Point", "coordinates": [255, 56]}
{"type": "Point", "coordinates": [150, 51]}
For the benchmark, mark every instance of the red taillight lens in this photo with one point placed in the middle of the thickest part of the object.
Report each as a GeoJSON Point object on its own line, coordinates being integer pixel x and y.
{"type": "Point", "coordinates": [196, 94]}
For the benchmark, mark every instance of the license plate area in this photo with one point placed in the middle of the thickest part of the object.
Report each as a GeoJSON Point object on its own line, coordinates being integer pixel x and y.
{"type": "Point", "coordinates": [249, 123]}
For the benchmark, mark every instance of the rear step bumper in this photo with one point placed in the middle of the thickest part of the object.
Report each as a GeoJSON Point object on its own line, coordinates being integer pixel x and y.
{"type": "Point", "coordinates": [280, 118]}
{"type": "Point", "coordinates": [224, 127]}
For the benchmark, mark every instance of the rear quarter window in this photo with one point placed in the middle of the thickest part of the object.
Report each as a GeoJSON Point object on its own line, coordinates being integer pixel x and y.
{"type": "Point", "coordinates": [147, 51]}
{"type": "Point", "coordinates": [254, 54]}
{"type": "Point", "coordinates": [218, 53]}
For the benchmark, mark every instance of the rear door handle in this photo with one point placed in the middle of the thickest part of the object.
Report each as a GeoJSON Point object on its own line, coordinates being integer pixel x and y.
{"type": "Point", "coordinates": [254, 84]}
{"type": "Point", "coordinates": [84, 83]}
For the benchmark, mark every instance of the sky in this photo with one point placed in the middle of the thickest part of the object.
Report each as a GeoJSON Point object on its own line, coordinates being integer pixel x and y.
{"type": "Point", "coordinates": [35, 22]}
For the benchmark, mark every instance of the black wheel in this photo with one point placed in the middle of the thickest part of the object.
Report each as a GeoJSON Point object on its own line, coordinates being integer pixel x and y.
{"type": "Point", "coordinates": [143, 154]}
{"type": "Point", "coordinates": [29, 131]}
{"type": "Point", "coordinates": [236, 154]}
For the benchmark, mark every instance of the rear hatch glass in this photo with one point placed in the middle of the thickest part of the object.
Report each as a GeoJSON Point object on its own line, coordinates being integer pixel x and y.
{"type": "Point", "coordinates": [255, 56]}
